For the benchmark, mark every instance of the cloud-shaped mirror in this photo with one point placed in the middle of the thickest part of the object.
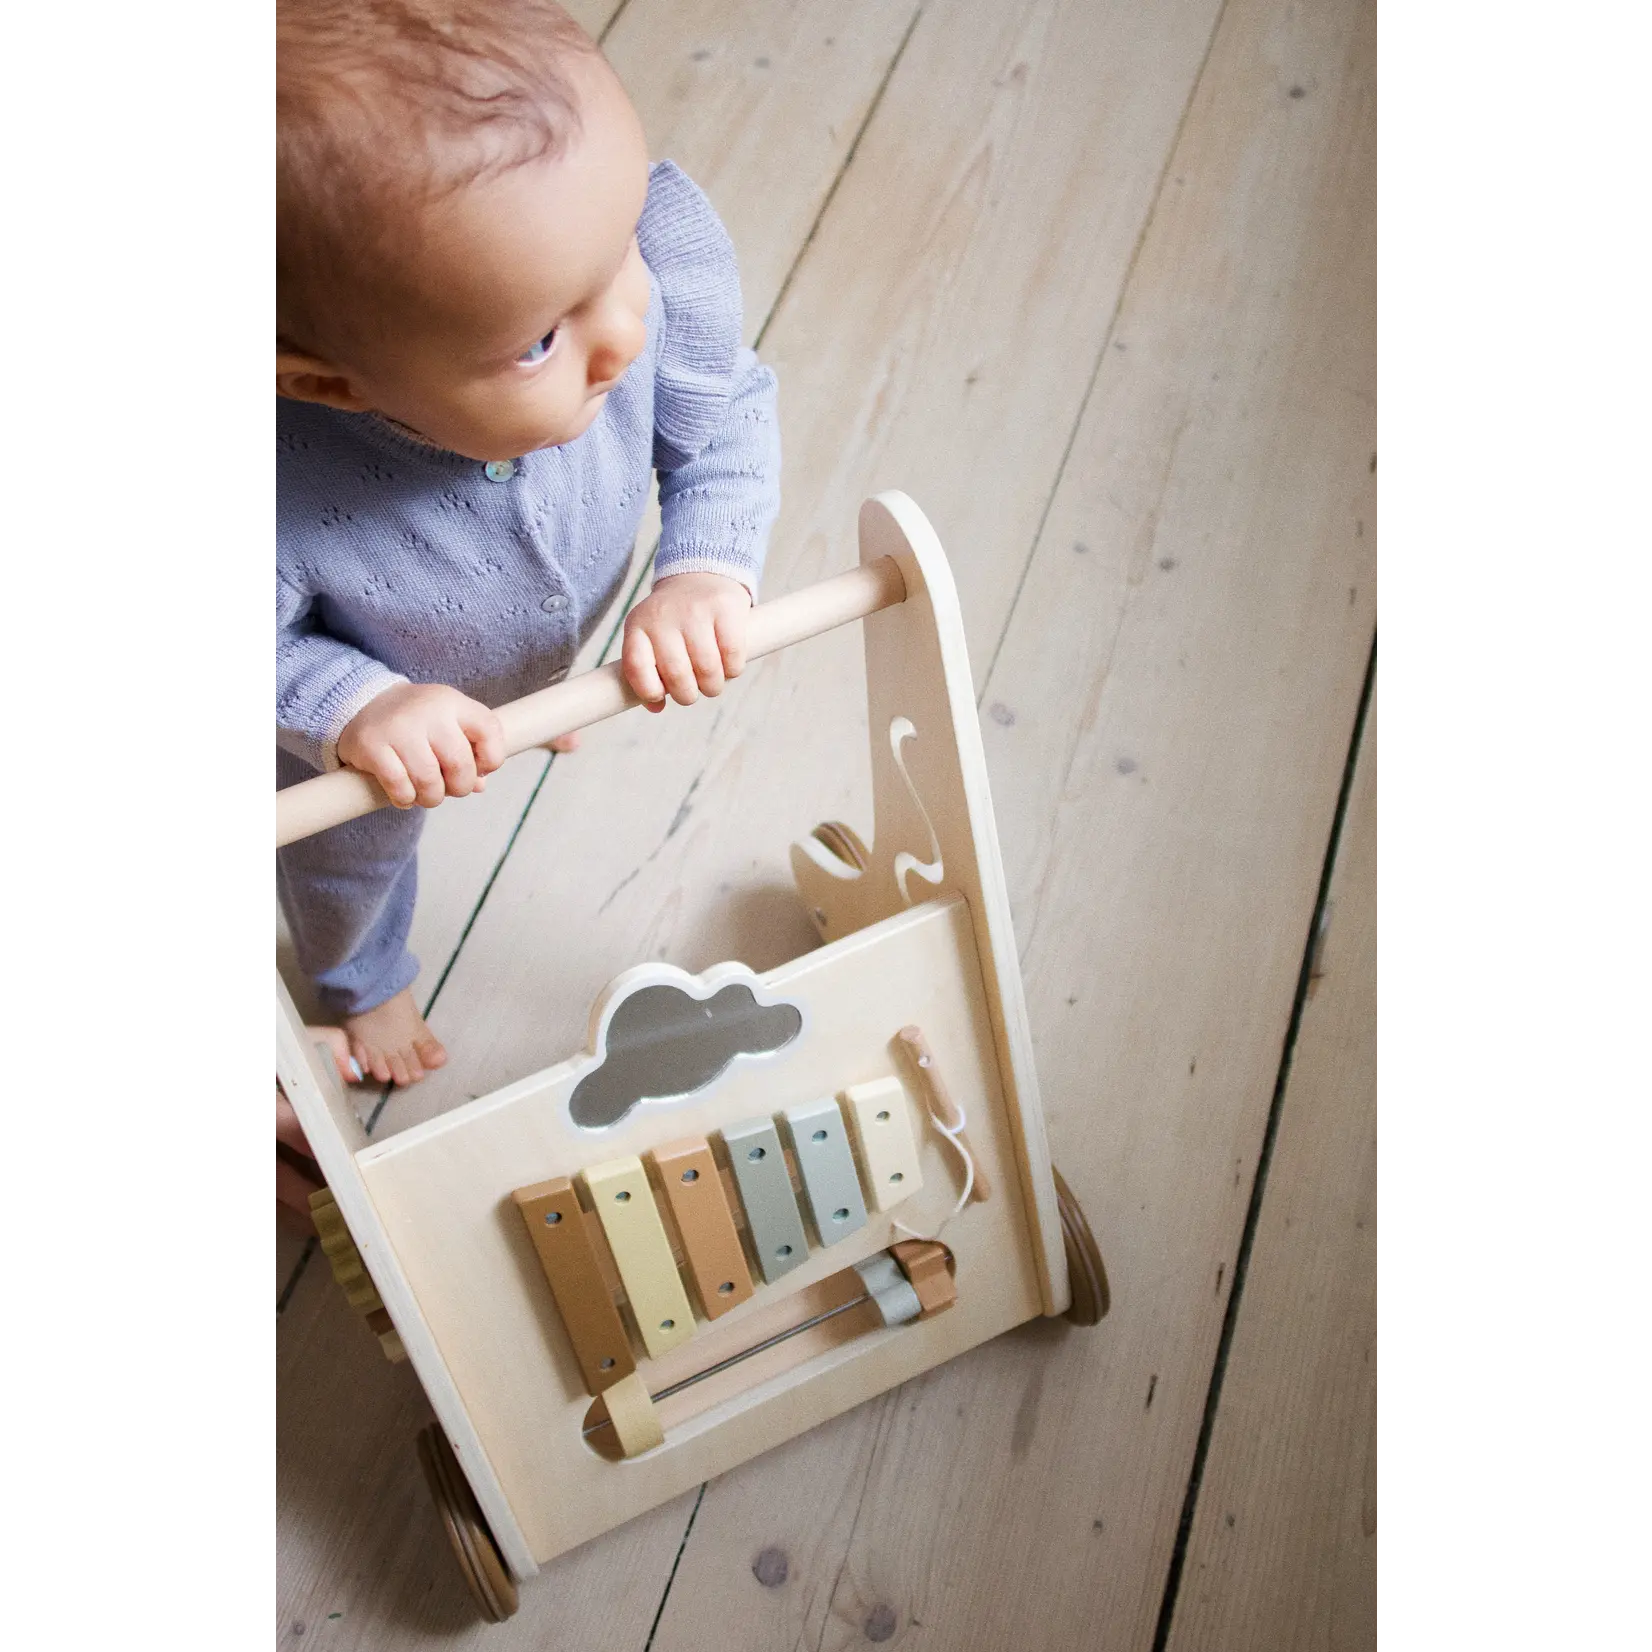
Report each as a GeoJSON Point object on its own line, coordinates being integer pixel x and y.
{"type": "Point", "coordinates": [663, 1042]}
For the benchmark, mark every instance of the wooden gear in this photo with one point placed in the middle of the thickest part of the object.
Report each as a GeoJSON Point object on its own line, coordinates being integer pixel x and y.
{"type": "Point", "coordinates": [605, 1315]}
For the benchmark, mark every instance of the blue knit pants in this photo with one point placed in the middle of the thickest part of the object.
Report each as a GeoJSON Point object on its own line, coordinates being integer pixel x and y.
{"type": "Point", "coordinates": [348, 896]}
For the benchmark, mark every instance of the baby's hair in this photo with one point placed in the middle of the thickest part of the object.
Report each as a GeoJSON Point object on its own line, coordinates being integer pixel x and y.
{"type": "Point", "coordinates": [382, 107]}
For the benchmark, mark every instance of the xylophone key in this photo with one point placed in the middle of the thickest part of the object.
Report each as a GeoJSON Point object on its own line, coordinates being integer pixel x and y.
{"type": "Point", "coordinates": [621, 1198]}
{"type": "Point", "coordinates": [556, 1225]}
{"type": "Point", "coordinates": [693, 1189]}
{"type": "Point", "coordinates": [882, 1121]}
{"type": "Point", "coordinates": [772, 1218]}
{"type": "Point", "coordinates": [820, 1143]}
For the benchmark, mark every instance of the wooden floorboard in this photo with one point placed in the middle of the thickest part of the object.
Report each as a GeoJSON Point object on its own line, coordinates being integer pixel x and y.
{"type": "Point", "coordinates": [1282, 1556]}
{"type": "Point", "coordinates": [997, 275]}
{"type": "Point", "coordinates": [363, 1561]}
{"type": "Point", "coordinates": [1167, 725]}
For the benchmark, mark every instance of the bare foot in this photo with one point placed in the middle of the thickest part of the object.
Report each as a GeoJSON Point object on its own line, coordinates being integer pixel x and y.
{"type": "Point", "coordinates": [393, 1042]}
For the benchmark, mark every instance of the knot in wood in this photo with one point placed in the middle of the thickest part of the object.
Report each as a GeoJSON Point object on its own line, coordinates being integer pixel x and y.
{"type": "Point", "coordinates": [770, 1568]}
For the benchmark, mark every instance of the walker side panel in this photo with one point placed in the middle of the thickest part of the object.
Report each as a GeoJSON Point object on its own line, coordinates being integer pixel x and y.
{"type": "Point", "coordinates": [335, 1135]}
{"type": "Point", "coordinates": [444, 1195]}
{"type": "Point", "coordinates": [934, 826]}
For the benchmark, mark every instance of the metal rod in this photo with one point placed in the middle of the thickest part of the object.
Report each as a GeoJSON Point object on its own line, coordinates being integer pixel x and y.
{"type": "Point", "coordinates": [746, 1353]}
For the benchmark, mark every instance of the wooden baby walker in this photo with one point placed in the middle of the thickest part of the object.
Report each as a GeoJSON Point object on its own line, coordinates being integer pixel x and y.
{"type": "Point", "coordinates": [755, 1200]}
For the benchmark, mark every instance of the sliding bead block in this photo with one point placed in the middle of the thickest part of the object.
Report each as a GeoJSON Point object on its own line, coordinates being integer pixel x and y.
{"type": "Point", "coordinates": [890, 1290]}
{"type": "Point", "coordinates": [772, 1218]}
{"type": "Point", "coordinates": [820, 1144]}
{"type": "Point", "coordinates": [556, 1225]}
{"type": "Point", "coordinates": [882, 1121]}
{"type": "Point", "coordinates": [621, 1198]}
{"type": "Point", "coordinates": [693, 1190]}
{"type": "Point", "coordinates": [926, 1265]}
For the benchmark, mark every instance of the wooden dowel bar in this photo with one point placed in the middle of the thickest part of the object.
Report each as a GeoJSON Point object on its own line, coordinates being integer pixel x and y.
{"type": "Point", "coordinates": [331, 799]}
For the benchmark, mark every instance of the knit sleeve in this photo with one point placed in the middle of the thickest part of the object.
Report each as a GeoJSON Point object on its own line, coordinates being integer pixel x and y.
{"type": "Point", "coordinates": [320, 682]}
{"type": "Point", "coordinates": [716, 438]}
{"type": "Point", "coordinates": [684, 244]}
{"type": "Point", "coordinates": [716, 511]}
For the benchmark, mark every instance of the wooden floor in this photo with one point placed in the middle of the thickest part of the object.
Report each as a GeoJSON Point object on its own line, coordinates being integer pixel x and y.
{"type": "Point", "coordinates": [1093, 281]}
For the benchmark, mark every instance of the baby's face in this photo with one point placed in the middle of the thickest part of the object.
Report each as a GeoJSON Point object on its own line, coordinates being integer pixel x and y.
{"type": "Point", "coordinates": [531, 295]}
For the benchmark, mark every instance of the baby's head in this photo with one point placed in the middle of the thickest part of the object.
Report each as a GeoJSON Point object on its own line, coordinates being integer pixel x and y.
{"type": "Point", "coordinates": [458, 189]}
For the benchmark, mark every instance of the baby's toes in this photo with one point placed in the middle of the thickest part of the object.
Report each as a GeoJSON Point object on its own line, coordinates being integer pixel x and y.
{"type": "Point", "coordinates": [430, 1052]}
{"type": "Point", "coordinates": [373, 1059]}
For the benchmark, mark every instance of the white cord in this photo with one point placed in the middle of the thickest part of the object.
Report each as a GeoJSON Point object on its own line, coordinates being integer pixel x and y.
{"type": "Point", "coordinates": [953, 1133]}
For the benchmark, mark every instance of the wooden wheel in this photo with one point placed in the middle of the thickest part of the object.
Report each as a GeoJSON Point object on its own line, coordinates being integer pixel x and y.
{"type": "Point", "coordinates": [843, 842]}
{"type": "Point", "coordinates": [491, 1585]}
{"type": "Point", "coordinates": [1091, 1297]}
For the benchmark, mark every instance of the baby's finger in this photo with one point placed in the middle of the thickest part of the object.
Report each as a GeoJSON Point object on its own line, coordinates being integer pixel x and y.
{"type": "Point", "coordinates": [391, 773]}
{"type": "Point", "coordinates": [458, 762]}
{"type": "Point", "coordinates": [731, 640]}
{"type": "Point", "coordinates": [671, 655]}
{"type": "Point", "coordinates": [640, 670]}
{"type": "Point", "coordinates": [705, 657]}
{"type": "Point", "coordinates": [424, 771]}
{"type": "Point", "coordinates": [338, 1046]}
{"type": "Point", "coordinates": [487, 738]}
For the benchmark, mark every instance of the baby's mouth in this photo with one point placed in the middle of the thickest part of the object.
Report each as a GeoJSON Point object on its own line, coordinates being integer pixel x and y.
{"type": "Point", "coordinates": [593, 406]}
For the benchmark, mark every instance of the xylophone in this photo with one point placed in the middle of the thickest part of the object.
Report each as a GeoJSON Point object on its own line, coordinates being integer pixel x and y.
{"type": "Point", "coordinates": [753, 1200]}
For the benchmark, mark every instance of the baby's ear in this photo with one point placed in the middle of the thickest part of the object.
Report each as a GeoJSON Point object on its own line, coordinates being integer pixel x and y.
{"type": "Point", "coordinates": [304, 378]}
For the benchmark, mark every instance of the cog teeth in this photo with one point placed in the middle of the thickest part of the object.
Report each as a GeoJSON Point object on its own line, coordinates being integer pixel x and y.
{"type": "Point", "coordinates": [351, 1272]}
{"type": "Point", "coordinates": [341, 1253]}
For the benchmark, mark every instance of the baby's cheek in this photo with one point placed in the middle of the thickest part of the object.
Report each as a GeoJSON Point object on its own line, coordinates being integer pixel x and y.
{"type": "Point", "coordinates": [637, 286]}
{"type": "Point", "coordinates": [557, 412]}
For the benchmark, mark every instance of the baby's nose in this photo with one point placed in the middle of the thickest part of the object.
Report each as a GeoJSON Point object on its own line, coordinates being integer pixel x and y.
{"type": "Point", "coordinates": [618, 345]}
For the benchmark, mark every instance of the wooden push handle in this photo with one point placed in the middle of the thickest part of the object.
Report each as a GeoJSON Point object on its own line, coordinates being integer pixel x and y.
{"type": "Point", "coordinates": [330, 799]}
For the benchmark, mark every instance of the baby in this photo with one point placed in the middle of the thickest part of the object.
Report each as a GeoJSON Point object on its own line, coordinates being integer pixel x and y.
{"type": "Point", "coordinates": [494, 320]}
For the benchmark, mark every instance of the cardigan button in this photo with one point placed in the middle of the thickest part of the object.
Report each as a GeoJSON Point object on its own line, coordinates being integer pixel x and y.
{"type": "Point", "coordinates": [499, 470]}
{"type": "Point", "coordinates": [554, 604]}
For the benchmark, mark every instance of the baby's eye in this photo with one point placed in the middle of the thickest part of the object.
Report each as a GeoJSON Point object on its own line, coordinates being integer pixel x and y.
{"type": "Point", "coordinates": [536, 353]}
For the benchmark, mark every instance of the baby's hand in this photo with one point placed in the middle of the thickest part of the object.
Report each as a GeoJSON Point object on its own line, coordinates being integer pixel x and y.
{"type": "Point", "coordinates": [423, 742]}
{"type": "Point", "coordinates": [687, 637]}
